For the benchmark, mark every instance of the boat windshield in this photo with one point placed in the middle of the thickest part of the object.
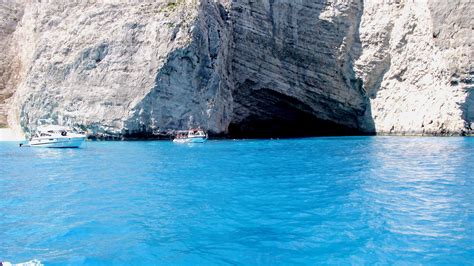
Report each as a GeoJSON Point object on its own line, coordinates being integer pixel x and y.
{"type": "Point", "coordinates": [52, 130]}
{"type": "Point", "coordinates": [197, 133]}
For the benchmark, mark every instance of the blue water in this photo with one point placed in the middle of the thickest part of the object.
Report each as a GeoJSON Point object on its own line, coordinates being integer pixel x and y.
{"type": "Point", "coordinates": [358, 200]}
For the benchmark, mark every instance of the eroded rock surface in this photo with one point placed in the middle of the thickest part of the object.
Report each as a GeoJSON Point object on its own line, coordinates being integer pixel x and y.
{"type": "Point", "coordinates": [292, 65]}
{"type": "Point", "coordinates": [122, 69]}
{"type": "Point", "coordinates": [416, 65]}
{"type": "Point", "coordinates": [10, 14]}
{"type": "Point", "coordinates": [192, 88]}
{"type": "Point", "coordinates": [242, 67]}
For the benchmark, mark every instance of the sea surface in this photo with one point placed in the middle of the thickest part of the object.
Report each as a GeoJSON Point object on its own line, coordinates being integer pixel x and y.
{"type": "Point", "coordinates": [329, 200]}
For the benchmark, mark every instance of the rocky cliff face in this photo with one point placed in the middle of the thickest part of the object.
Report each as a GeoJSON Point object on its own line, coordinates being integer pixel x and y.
{"type": "Point", "coordinates": [120, 69]}
{"type": "Point", "coordinates": [292, 65]}
{"type": "Point", "coordinates": [416, 64]}
{"type": "Point", "coordinates": [10, 15]}
{"type": "Point", "coordinates": [192, 87]}
{"type": "Point", "coordinates": [244, 68]}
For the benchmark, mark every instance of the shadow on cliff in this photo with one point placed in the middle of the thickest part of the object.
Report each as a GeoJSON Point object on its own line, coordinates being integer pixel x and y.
{"type": "Point", "coordinates": [468, 108]}
{"type": "Point", "coordinates": [366, 121]}
{"type": "Point", "coordinates": [152, 117]}
{"type": "Point", "coordinates": [261, 108]}
{"type": "Point", "coordinates": [188, 82]}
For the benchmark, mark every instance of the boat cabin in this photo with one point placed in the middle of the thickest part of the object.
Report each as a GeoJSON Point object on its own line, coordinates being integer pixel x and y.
{"type": "Point", "coordinates": [53, 130]}
{"type": "Point", "coordinates": [192, 133]}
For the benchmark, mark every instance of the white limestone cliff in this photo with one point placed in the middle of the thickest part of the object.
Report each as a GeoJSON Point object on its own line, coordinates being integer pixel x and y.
{"type": "Point", "coordinates": [416, 64]}
{"type": "Point", "coordinates": [120, 68]}
{"type": "Point", "coordinates": [242, 67]}
{"type": "Point", "coordinates": [10, 15]}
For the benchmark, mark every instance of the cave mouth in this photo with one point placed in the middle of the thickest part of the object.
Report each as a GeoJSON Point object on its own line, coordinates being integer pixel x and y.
{"type": "Point", "coordinates": [270, 114]}
{"type": "Point", "coordinates": [302, 126]}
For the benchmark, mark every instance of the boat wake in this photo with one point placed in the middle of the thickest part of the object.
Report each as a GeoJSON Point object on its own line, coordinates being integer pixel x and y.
{"type": "Point", "coordinates": [28, 263]}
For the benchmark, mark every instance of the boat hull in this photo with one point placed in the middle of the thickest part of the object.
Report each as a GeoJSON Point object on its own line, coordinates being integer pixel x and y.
{"type": "Point", "coordinates": [74, 142]}
{"type": "Point", "coordinates": [190, 140]}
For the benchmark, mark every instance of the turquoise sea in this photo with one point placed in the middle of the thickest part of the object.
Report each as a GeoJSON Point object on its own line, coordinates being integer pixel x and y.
{"type": "Point", "coordinates": [328, 200]}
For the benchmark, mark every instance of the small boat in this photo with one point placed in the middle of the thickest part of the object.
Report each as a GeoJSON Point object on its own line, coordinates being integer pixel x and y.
{"type": "Point", "coordinates": [190, 136]}
{"type": "Point", "coordinates": [54, 136]}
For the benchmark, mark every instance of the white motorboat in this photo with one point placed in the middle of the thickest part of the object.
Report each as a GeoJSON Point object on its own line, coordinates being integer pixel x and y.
{"type": "Point", "coordinates": [54, 136]}
{"type": "Point", "coordinates": [190, 136]}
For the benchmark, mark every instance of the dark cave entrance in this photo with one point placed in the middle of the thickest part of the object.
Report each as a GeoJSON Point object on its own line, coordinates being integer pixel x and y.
{"type": "Point", "coordinates": [265, 113]}
{"type": "Point", "coordinates": [303, 126]}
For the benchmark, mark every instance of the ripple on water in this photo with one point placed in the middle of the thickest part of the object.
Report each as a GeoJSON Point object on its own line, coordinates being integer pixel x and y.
{"type": "Point", "coordinates": [357, 200]}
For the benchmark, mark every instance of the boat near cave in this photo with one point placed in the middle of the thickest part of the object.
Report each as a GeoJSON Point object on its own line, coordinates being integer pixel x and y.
{"type": "Point", "coordinates": [190, 136]}
{"type": "Point", "coordinates": [54, 136]}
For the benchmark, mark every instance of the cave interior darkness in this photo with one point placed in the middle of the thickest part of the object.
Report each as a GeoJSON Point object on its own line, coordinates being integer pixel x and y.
{"type": "Point", "coordinates": [270, 114]}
